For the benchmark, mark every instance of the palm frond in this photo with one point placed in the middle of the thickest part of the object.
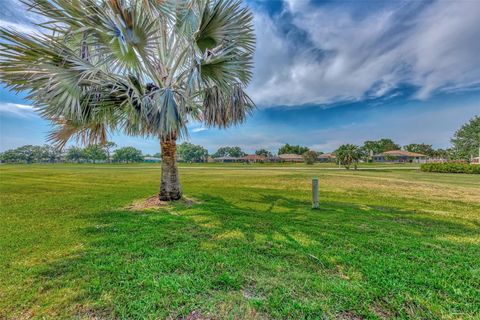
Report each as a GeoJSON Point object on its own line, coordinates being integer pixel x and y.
{"type": "Point", "coordinates": [226, 67]}
{"type": "Point", "coordinates": [226, 21]}
{"type": "Point", "coordinates": [187, 18]}
{"type": "Point", "coordinates": [222, 109]}
{"type": "Point", "coordinates": [94, 133]}
{"type": "Point", "coordinates": [226, 40]}
{"type": "Point", "coordinates": [143, 67]}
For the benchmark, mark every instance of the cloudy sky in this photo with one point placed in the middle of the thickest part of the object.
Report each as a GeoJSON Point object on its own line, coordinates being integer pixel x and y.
{"type": "Point", "coordinates": [330, 72]}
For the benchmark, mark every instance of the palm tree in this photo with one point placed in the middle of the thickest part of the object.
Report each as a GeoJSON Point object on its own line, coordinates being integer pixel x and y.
{"type": "Point", "coordinates": [348, 154]}
{"type": "Point", "coordinates": [144, 68]}
{"type": "Point", "coordinates": [109, 146]}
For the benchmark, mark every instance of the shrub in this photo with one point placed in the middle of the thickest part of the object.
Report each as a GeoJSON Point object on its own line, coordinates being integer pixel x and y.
{"type": "Point", "coordinates": [310, 157]}
{"type": "Point", "coordinates": [451, 167]}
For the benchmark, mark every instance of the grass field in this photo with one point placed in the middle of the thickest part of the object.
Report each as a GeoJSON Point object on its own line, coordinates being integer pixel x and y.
{"type": "Point", "coordinates": [386, 243]}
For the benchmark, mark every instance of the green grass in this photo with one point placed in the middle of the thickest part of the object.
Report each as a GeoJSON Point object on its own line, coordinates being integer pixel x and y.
{"type": "Point", "coordinates": [386, 243]}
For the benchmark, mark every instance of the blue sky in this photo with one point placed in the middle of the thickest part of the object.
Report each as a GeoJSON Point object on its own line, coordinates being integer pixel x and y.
{"type": "Point", "coordinates": [329, 72]}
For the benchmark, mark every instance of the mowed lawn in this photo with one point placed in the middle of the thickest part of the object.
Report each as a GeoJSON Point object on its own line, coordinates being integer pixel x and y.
{"type": "Point", "coordinates": [385, 244]}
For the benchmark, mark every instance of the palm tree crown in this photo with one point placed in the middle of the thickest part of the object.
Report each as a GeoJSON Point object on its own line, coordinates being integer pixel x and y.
{"type": "Point", "coordinates": [144, 67]}
{"type": "Point", "coordinates": [348, 154]}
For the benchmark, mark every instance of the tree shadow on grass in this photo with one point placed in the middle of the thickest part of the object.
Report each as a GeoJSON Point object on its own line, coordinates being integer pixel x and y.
{"type": "Point", "coordinates": [267, 256]}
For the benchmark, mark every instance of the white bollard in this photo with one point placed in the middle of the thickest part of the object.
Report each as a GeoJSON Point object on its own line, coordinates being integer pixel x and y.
{"type": "Point", "coordinates": [315, 193]}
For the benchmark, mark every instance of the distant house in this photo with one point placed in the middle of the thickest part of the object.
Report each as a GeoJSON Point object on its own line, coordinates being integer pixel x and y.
{"type": "Point", "coordinates": [226, 159]}
{"type": "Point", "coordinates": [400, 156]}
{"type": "Point", "coordinates": [475, 160]}
{"type": "Point", "coordinates": [152, 159]}
{"type": "Point", "coordinates": [290, 157]}
{"type": "Point", "coordinates": [327, 157]}
{"type": "Point", "coordinates": [210, 159]}
{"type": "Point", "coordinates": [253, 158]}
{"type": "Point", "coordinates": [274, 159]}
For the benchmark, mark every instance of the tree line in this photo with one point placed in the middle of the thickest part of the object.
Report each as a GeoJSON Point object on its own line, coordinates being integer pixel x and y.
{"type": "Point", "coordinates": [90, 154]}
{"type": "Point", "coordinates": [465, 144]}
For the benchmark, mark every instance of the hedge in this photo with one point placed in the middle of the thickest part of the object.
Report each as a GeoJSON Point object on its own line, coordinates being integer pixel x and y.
{"type": "Point", "coordinates": [451, 167]}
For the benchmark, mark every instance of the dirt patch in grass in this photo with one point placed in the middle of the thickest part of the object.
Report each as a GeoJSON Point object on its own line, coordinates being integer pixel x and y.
{"type": "Point", "coordinates": [381, 312]}
{"type": "Point", "coordinates": [195, 315]}
{"type": "Point", "coordinates": [91, 314]}
{"type": "Point", "coordinates": [149, 203]}
{"type": "Point", "coordinates": [250, 292]}
{"type": "Point", "coordinates": [154, 203]}
{"type": "Point", "coordinates": [347, 316]}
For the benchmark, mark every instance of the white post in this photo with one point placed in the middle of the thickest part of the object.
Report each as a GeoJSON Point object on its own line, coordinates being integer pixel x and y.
{"type": "Point", "coordinates": [315, 193]}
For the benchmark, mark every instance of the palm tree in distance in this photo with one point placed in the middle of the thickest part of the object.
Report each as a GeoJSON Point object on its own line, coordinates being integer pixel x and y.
{"type": "Point", "coordinates": [348, 154]}
{"type": "Point", "coordinates": [144, 68]}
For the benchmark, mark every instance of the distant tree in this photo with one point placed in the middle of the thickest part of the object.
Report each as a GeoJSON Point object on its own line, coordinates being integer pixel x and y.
{"type": "Point", "coordinates": [422, 148]}
{"type": "Point", "coordinates": [466, 141]}
{"type": "Point", "coordinates": [388, 144]}
{"type": "Point", "coordinates": [94, 153]}
{"type": "Point", "coordinates": [192, 153]}
{"type": "Point", "coordinates": [390, 157]}
{"type": "Point", "coordinates": [310, 157]}
{"type": "Point", "coordinates": [157, 155]}
{"type": "Point", "coordinates": [371, 146]}
{"type": "Point", "coordinates": [127, 154]}
{"type": "Point", "coordinates": [379, 146]}
{"type": "Point", "coordinates": [51, 154]}
{"type": "Point", "coordinates": [4, 156]}
{"type": "Point", "coordinates": [34, 153]}
{"type": "Point", "coordinates": [348, 154]}
{"type": "Point", "coordinates": [75, 154]}
{"type": "Point", "coordinates": [292, 149]}
{"type": "Point", "coordinates": [108, 147]}
{"type": "Point", "coordinates": [39, 154]}
{"type": "Point", "coordinates": [443, 153]}
{"type": "Point", "coordinates": [11, 156]}
{"type": "Point", "coordinates": [221, 152]}
{"type": "Point", "coordinates": [31, 154]}
{"type": "Point", "coordinates": [229, 151]}
{"type": "Point", "coordinates": [263, 152]}
{"type": "Point", "coordinates": [236, 152]}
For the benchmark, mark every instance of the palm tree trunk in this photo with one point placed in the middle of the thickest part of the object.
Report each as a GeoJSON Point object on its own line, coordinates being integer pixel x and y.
{"type": "Point", "coordinates": [170, 184]}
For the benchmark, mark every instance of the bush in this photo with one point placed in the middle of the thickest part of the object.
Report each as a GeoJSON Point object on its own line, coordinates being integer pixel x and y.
{"type": "Point", "coordinates": [451, 167]}
{"type": "Point", "coordinates": [309, 157]}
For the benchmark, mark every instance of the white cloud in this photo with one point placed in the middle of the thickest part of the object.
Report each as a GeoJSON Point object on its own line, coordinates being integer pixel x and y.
{"type": "Point", "coordinates": [15, 14]}
{"type": "Point", "coordinates": [19, 110]}
{"type": "Point", "coordinates": [350, 57]}
{"type": "Point", "coordinates": [199, 129]}
{"type": "Point", "coordinates": [314, 53]}
{"type": "Point", "coordinates": [23, 27]}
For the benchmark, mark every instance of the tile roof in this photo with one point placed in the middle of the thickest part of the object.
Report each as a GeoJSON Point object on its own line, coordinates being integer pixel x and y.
{"type": "Point", "coordinates": [254, 157]}
{"type": "Point", "coordinates": [290, 156]}
{"type": "Point", "coordinates": [226, 158]}
{"type": "Point", "coordinates": [400, 153]}
{"type": "Point", "coordinates": [327, 156]}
